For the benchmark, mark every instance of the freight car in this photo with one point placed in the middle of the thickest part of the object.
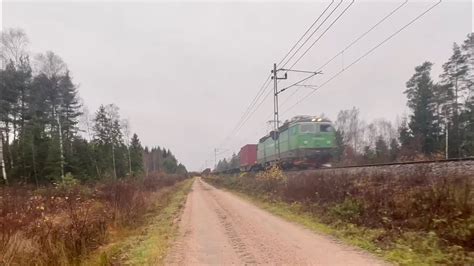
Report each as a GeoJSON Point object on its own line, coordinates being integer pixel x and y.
{"type": "Point", "coordinates": [248, 157]}
{"type": "Point", "coordinates": [302, 142]}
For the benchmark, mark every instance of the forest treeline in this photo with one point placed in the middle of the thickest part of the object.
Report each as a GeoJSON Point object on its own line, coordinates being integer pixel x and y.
{"type": "Point", "coordinates": [440, 123]}
{"type": "Point", "coordinates": [47, 134]}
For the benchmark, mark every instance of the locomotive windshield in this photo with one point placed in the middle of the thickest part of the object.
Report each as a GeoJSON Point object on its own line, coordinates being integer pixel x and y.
{"type": "Point", "coordinates": [326, 128]}
{"type": "Point", "coordinates": [308, 128]}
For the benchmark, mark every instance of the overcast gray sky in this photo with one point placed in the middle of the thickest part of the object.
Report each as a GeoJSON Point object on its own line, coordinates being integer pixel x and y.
{"type": "Point", "coordinates": [183, 73]}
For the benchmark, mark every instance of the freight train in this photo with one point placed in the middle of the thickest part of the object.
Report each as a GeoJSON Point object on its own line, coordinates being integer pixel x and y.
{"type": "Point", "coordinates": [302, 142]}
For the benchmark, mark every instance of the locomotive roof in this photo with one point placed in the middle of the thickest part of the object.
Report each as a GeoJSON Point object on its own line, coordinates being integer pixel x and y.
{"type": "Point", "coordinates": [297, 119]}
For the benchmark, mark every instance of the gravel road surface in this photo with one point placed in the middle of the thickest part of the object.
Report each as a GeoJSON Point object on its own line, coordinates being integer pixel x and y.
{"type": "Point", "coordinates": [219, 228]}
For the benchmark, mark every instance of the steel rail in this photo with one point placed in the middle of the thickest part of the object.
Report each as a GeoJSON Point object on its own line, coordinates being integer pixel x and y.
{"type": "Point", "coordinates": [388, 164]}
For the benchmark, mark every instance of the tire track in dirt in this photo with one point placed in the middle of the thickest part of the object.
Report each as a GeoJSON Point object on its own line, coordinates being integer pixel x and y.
{"type": "Point", "coordinates": [237, 244]}
{"type": "Point", "coordinates": [227, 222]}
{"type": "Point", "coordinates": [219, 228]}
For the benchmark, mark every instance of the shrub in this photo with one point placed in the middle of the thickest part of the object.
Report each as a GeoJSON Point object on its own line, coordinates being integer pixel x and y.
{"type": "Point", "coordinates": [59, 225]}
{"type": "Point", "coordinates": [272, 179]}
{"type": "Point", "coordinates": [436, 199]}
{"type": "Point", "coordinates": [349, 210]}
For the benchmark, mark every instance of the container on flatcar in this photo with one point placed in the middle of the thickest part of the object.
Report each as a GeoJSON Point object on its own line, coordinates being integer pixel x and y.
{"type": "Point", "coordinates": [248, 157]}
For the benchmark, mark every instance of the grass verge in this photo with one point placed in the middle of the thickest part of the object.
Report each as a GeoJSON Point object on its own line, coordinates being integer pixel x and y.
{"type": "Point", "coordinates": [410, 248]}
{"type": "Point", "coordinates": [148, 243]}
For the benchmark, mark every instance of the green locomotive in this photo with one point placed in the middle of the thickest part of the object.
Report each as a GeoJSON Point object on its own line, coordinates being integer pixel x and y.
{"type": "Point", "coordinates": [302, 142]}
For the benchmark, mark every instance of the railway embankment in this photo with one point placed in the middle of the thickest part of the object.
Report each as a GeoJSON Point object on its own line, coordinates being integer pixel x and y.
{"type": "Point", "coordinates": [408, 214]}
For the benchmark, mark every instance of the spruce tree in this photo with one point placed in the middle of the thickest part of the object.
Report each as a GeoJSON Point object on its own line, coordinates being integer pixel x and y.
{"type": "Point", "coordinates": [394, 150]}
{"type": "Point", "coordinates": [136, 155]}
{"type": "Point", "coordinates": [421, 101]}
{"type": "Point", "coordinates": [381, 150]}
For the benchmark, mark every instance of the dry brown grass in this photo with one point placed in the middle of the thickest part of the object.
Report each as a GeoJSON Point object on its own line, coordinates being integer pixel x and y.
{"type": "Point", "coordinates": [423, 202]}
{"type": "Point", "coordinates": [59, 225]}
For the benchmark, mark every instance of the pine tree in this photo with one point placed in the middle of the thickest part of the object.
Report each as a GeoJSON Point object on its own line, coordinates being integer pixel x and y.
{"type": "Point", "coordinates": [136, 155]}
{"type": "Point", "coordinates": [369, 155]}
{"type": "Point", "coordinates": [455, 80]}
{"type": "Point", "coordinates": [467, 116]}
{"type": "Point", "coordinates": [39, 115]}
{"type": "Point", "coordinates": [381, 150]}
{"type": "Point", "coordinates": [421, 100]}
{"type": "Point", "coordinates": [339, 151]}
{"type": "Point", "coordinates": [234, 162]}
{"type": "Point", "coordinates": [108, 138]}
{"type": "Point", "coordinates": [394, 150]}
{"type": "Point", "coordinates": [467, 145]}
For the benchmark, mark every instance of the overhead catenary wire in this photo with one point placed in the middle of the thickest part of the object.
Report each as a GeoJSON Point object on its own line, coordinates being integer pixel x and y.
{"type": "Point", "coordinates": [364, 55]}
{"type": "Point", "coordinates": [322, 34]}
{"type": "Point", "coordinates": [315, 41]}
{"type": "Point", "coordinates": [307, 39]}
{"type": "Point", "coordinates": [261, 102]}
{"type": "Point", "coordinates": [306, 32]}
{"type": "Point", "coordinates": [245, 117]}
{"type": "Point", "coordinates": [353, 42]}
{"type": "Point", "coordinates": [305, 52]}
{"type": "Point", "coordinates": [252, 104]}
{"type": "Point", "coordinates": [355, 61]}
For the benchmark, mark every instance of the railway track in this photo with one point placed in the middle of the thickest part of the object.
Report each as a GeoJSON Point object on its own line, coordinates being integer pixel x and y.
{"type": "Point", "coordinates": [358, 166]}
{"type": "Point", "coordinates": [392, 164]}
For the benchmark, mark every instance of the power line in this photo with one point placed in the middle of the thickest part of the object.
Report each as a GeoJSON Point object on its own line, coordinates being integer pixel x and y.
{"type": "Point", "coordinates": [307, 39]}
{"type": "Point", "coordinates": [365, 54]}
{"type": "Point", "coordinates": [258, 106]}
{"type": "Point", "coordinates": [248, 113]}
{"type": "Point", "coordinates": [322, 34]}
{"type": "Point", "coordinates": [306, 32]}
{"type": "Point", "coordinates": [337, 74]}
{"type": "Point", "coordinates": [245, 117]}
{"type": "Point", "coordinates": [314, 31]}
{"type": "Point", "coordinates": [252, 104]}
{"type": "Point", "coordinates": [354, 42]}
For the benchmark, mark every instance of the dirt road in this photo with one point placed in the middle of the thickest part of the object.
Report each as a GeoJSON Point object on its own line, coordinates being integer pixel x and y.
{"type": "Point", "coordinates": [219, 228]}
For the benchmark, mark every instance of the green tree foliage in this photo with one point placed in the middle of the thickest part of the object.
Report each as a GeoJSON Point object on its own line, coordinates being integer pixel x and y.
{"type": "Point", "coordinates": [39, 124]}
{"type": "Point", "coordinates": [136, 155]}
{"type": "Point", "coordinates": [108, 139]}
{"type": "Point", "coordinates": [222, 165]}
{"type": "Point", "coordinates": [467, 126]}
{"type": "Point", "coordinates": [339, 151]}
{"type": "Point", "coordinates": [394, 150]}
{"type": "Point", "coordinates": [234, 162]}
{"type": "Point", "coordinates": [382, 151]}
{"type": "Point", "coordinates": [161, 160]}
{"type": "Point", "coordinates": [421, 101]}
{"type": "Point", "coordinates": [455, 82]}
